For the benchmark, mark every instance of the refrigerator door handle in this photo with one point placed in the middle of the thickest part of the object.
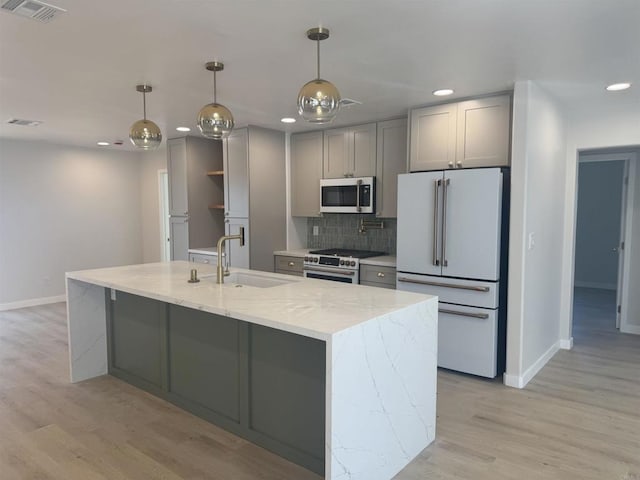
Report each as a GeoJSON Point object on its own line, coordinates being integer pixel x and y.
{"type": "Point", "coordinates": [436, 190]}
{"type": "Point", "coordinates": [445, 263]}
{"type": "Point", "coordinates": [483, 316]}
{"type": "Point", "coordinates": [442, 284]}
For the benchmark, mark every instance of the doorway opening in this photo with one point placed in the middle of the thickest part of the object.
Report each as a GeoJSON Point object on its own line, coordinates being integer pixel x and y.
{"type": "Point", "coordinates": [165, 238]}
{"type": "Point", "coordinates": [603, 238]}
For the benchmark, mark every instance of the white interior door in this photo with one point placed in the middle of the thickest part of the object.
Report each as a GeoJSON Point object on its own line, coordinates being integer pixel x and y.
{"type": "Point", "coordinates": [471, 225]}
{"type": "Point", "coordinates": [419, 217]}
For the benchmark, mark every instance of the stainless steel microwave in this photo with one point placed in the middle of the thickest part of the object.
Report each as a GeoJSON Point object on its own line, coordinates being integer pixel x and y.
{"type": "Point", "coordinates": [347, 195]}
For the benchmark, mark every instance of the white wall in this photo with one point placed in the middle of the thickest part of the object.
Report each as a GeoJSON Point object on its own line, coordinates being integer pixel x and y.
{"type": "Point", "coordinates": [538, 156]}
{"type": "Point", "coordinates": [64, 208]}
{"type": "Point", "coordinates": [611, 120]}
{"type": "Point", "coordinates": [598, 223]}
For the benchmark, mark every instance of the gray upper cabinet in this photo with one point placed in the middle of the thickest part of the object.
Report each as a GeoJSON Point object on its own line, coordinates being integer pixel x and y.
{"type": "Point", "coordinates": [473, 133]}
{"type": "Point", "coordinates": [236, 174]}
{"type": "Point", "coordinates": [483, 132]}
{"type": "Point", "coordinates": [306, 172]}
{"type": "Point", "coordinates": [350, 152]}
{"type": "Point", "coordinates": [191, 192]}
{"type": "Point", "coordinates": [255, 195]}
{"type": "Point", "coordinates": [433, 137]}
{"type": "Point", "coordinates": [392, 160]}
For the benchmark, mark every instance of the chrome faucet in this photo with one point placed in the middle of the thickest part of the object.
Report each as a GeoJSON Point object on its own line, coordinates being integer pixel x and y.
{"type": "Point", "coordinates": [219, 271]}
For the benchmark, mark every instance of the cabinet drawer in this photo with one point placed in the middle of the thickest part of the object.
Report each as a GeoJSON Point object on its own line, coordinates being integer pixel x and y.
{"type": "Point", "coordinates": [200, 258]}
{"type": "Point", "coordinates": [467, 339]}
{"type": "Point", "coordinates": [288, 264]}
{"type": "Point", "coordinates": [379, 285]}
{"type": "Point", "coordinates": [377, 274]}
{"type": "Point", "coordinates": [449, 290]}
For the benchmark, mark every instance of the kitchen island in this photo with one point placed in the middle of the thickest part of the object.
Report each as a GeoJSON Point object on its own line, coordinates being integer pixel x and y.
{"type": "Point", "coordinates": [340, 379]}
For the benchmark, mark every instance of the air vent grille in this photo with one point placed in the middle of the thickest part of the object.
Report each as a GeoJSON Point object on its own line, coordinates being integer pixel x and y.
{"type": "Point", "coordinates": [23, 123]}
{"type": "Point", "coordinates": [34, 9]}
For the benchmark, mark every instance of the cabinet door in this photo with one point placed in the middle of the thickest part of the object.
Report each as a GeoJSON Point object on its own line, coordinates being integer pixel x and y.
{"type": "Point", "coordinates": [419, 217]}
{"type": "Point", "coordinates": [336, 152]}
{"type": "Point", "coordinates": [177, 171]}
{"type": "Point", "coordinates": [471, 226]}
{"type": "Point", "coordinates": [137, 338]}
{"type": "Point", "coordinates": [236, 174]}
{"type": "Point", "coordinates": [391, 161]}
{"type": "Point", "coordinates": [238, 256]}
{"type": "Point", "coordinates": [361, 161]}
{"type": "Point", "coordinates": [433, 138]}
{"type": "Point", "coordinates": [179, 238]}
{"type": "Point", "coordinates": [484, 132]}
{"type": "Point", "coordinates": [306, 172]}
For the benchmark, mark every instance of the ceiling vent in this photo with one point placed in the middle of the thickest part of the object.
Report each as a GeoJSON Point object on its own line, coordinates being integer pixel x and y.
{"type": "Point", "coordinates": [24, 123]}
{"type": "Point", "coordinates": [34, 9]}
{"type": "Point", "coordinates": [348, 102]}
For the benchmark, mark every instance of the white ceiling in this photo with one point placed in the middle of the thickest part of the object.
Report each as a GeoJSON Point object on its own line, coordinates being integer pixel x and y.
{"type": "Point", "coordinates": [78, 73]}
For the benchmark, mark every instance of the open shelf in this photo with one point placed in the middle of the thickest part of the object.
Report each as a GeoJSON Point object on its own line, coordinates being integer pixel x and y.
{"type": "Point", "coordinates": [215, 173]}
{"type": "Point", "coordinates": [216, 207]}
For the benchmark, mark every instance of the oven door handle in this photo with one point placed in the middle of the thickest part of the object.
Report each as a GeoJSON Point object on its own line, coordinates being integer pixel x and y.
{"type": "Point", "coordinates": [349, 273]}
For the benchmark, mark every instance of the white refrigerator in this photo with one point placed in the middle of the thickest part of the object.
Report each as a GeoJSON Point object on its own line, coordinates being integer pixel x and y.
{"type": "Point", "coordinates": [452, 242]}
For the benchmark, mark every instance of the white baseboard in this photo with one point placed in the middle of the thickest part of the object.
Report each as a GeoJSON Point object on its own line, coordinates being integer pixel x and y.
{"type": "Point", "coordinates": [601, 286]}
{"type": "Point", "coordinates": [520, 381]}
{"type": "Point", "coordinates": [634, 329]}
{"type": "Point", "coordinates": [33, 302]}
{"type": "Point", "coordinates": [566, 344]}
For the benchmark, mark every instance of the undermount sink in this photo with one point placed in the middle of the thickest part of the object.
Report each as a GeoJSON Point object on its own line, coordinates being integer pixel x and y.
{"type": "Point", "coordinates": [239, 279]}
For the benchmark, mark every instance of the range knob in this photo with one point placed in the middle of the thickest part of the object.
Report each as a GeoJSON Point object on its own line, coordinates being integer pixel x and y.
{"type": "Point", "coordinates": [306, 259]}
{"type": "Point", "coordinates": [341, 262]}
{"type": "Point", "coordinates": [315, 260]}
{"type": "Point", "coordinates": [353, 263]}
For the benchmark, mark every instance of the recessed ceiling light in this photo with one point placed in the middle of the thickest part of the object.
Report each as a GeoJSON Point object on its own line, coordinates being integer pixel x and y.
{"type": "Point", "coordinates": [183, 129]}
{"type": "Point", "coordinates": [288, 120]}
{"type": "Point", "coordinates": [618, 86]}
{"type": "Point", "coordinates": [103, 144]}
{"type": "Point", "coordinates": [442, 92]}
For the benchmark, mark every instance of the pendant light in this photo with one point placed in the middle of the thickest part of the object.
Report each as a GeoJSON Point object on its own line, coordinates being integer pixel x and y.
{"type": "Point", "coordinates": [215, 120]}
{"type": "Point", "coordinates": [144, 133]}
{"type": "Point", "coordinates": [318, 100]}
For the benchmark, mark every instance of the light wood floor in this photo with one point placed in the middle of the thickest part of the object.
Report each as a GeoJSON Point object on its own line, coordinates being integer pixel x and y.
{"type": "Point", "coordinates": [578, 419]}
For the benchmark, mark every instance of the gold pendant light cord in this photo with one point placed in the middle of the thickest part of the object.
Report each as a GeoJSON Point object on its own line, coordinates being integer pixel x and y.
{"type": "Point", "coordinates": [144, 105]}
{"type": "Point", "coordinates": [214, 87]}
{"type": "Point", "coordinates": [318, 56]}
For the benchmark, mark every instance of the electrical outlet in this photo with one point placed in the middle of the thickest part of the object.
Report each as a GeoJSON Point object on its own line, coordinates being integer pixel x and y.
{"type": "Point", "coordinates": [316, 230]}
{"type": "Point", "coordinates": [532, 241]}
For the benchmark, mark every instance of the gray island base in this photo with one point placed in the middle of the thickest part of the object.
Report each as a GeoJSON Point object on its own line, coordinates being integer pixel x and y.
{"type": "Point", "coordinates": [339, 379]}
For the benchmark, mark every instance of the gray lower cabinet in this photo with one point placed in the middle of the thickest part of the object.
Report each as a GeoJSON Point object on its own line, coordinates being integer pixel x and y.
{"type": "Point", "coordinates": [288, 265]}
{"type": "Point", "coordinates": [204, 360]}
{"type": "Point", "coordinates": [377, 276]}
{"type": "Point", "coordinates": [137, 340]}
{"type": "Point", "coordinates": [262, 384]}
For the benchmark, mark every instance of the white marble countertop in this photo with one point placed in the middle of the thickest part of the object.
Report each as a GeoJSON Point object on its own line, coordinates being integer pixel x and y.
{"type": "Point", "coordinates": [298, 252]}
{"type": "Point", "coordinates": [204, 251]}
{"type": "Point", "coordinates": [381, 261]}
{"type": "Point", "coordinates": [314, 308]}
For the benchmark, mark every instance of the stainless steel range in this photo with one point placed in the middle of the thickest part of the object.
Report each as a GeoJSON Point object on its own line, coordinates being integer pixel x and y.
{"type": "Point", "coordinates": [336, 264]}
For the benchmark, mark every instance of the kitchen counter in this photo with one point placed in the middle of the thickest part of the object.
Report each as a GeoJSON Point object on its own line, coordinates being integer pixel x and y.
{"type": "Point", "coordinates": [381, 349]}
{"type": "Point", "coordinates": [381, 261]}
{"type": "Point", "coordinates": [204, 251]}
{"type": "Point", "coordinates": [299, 252]}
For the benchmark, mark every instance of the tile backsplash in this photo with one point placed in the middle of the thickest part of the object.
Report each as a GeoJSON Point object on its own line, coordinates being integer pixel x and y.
{"type": "Point", "coordinates": [340, 230]}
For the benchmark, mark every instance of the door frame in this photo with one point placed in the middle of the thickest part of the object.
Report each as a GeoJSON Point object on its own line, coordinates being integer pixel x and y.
{"type": "Point", "coordinates": [626, 229]}
{"type": "Point", "coordinates": [163, 213]}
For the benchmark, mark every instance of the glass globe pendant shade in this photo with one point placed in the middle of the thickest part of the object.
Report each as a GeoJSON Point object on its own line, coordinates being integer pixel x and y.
{"type": "Point", "coordinates": [145, 134]}
{"type": "Point", "coordinates": [215, 121]}
{"type": "Point", "coordinates": [318, 101]}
